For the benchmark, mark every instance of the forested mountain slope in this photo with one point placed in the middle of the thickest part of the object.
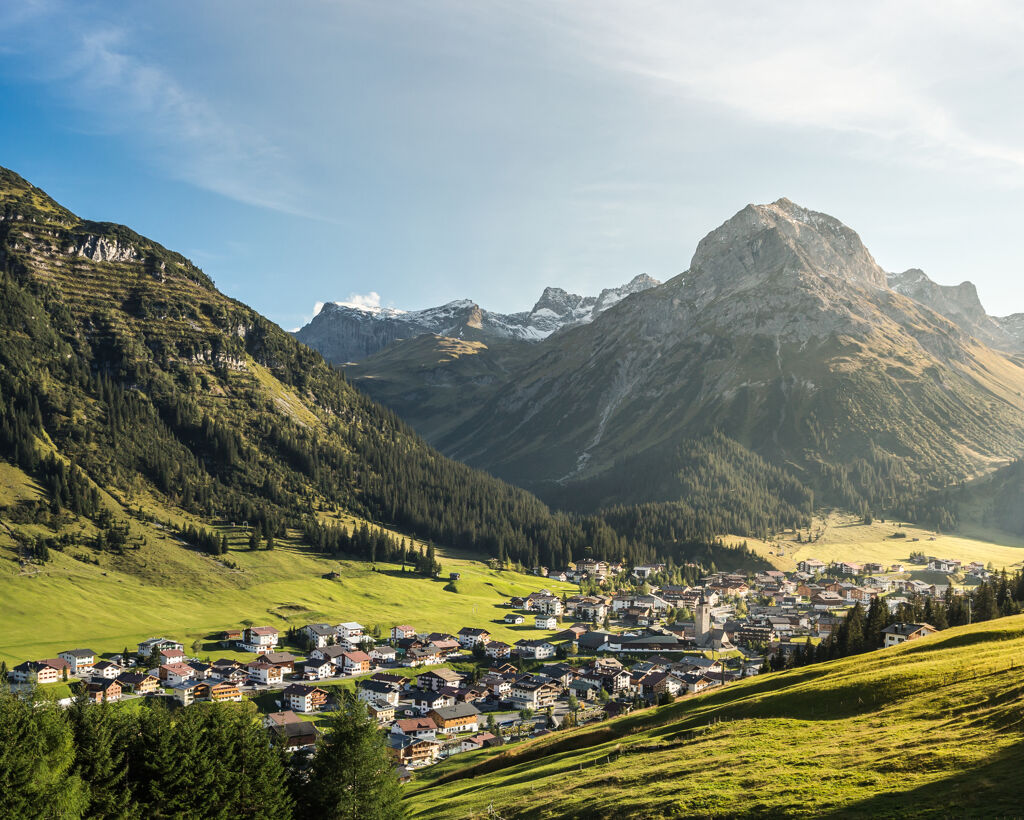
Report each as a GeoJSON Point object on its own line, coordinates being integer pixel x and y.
{"type": "Point", "coordinates": [127, 377]}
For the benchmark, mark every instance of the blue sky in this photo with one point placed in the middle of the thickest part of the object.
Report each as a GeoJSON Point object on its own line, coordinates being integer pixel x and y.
{"type": "Point", "coordinates": [427, 151]}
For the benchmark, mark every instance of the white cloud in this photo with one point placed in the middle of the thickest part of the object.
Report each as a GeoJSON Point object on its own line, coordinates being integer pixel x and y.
{"type": "Point", "coordinates": [364, 300]}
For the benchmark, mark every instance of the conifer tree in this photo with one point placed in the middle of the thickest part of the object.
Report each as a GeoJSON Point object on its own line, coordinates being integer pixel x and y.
{"type": "Point", "coordinates": [351, 777]}
{"type": "Point", "coordinates": [100, 747]}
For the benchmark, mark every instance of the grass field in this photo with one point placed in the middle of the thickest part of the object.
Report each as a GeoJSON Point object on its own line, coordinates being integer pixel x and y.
{"type": "Point", "coordinates": [165, 588]}
{"type": "Point", "coordinates": [934, 728]}
{"type": "Point", "coordinates": [846, 538]}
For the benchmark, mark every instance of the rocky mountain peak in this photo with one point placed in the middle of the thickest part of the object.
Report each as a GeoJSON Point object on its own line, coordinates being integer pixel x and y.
{"type": "Point", "coordinates": [763, 242]}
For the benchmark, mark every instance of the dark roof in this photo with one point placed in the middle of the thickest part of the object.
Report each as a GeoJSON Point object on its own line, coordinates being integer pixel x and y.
{"type": "Point", "coordinates": [459, 710]}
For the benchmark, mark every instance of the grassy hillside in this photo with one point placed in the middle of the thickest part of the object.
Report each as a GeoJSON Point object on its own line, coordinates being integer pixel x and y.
{"type": "Point", "coordinates": [167, 588]}
{"type": "Point", "coordinates": [846, 538]}
{"type": "Point", "coordinates": [934, 728]}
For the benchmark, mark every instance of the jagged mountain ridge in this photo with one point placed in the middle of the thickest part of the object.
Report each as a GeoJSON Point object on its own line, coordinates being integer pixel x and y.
{"type": "Point", "coordinates": [784, 334]}
{"type": "Point", "coordinates": [344, 332]}
{"type": "Point", "coordinates": [962, 305]}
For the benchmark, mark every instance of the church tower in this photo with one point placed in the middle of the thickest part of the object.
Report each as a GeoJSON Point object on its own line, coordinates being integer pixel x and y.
{"type": "Point", "coordinates": [701, 621]}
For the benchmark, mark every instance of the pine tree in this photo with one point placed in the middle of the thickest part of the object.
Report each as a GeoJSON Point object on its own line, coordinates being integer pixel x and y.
{"type": "Point", "coordinates": [100, 743]}
{"type": "Point", "coordinates": [351, 777]}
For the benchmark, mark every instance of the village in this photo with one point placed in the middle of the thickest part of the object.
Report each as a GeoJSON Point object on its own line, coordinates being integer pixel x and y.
{"type": "Point", "coordinates": [635, 642]}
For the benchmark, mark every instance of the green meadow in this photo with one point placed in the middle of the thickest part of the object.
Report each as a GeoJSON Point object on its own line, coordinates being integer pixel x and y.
{"type": "Point", "coordinates": [933, 728]}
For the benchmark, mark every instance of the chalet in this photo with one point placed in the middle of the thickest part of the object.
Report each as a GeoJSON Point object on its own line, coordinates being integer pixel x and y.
{"type": "Point", "coordinates": [570, 634]}
{"type": "Point", "coordinates": [296, 736]}
{"type": "Point", "coordinates": [498, 650]}
{"type": "Point", "coordinates": [203, 670]}
{"type": "Point", "coordinates": [383, 654]}
{"type": "Point", "coordinates": [398, 681]}
{"type": "Point", "coordinates": [171, 655]}
{"type": "Point", "coordinates": [147, 646]}
{"type": "Point", "coordinates": [329, 653]}
{"type": "Point", "coordinates": [383, 713]}
{"type": "Point", "coordinates": [697, 682]}
{"type": "Point", "coordinates": [106, 669]}
{"type": "Point", "coordinates": [350, 632]}
{"type": "Point", "coordinates": [412, 751]}
{"type": "Point", "coordinates": [497, 685]}
{"type": "Point", "coordinates": [403, 631]}
{"type": "Point", "coordinates": [545, 622]}
{"type": "Point", "coordinates": [421, 727]}
{"type": "Point", "coordinates": [318, 669]}
{"type": "Point", "coordinates": [319, 635]}
{"type": "Point", "coordinates": [185, 691]}
{"type": "Point", "coordinates": [537, 650]}
{"type": "Point", "coordinates": [898, 633]}
{"type": "Point", "coordinates": [423, 702]}
{"type": "Point", "coordinates": [35, 672]}
{"type": "Point", "coordinates": [437, 679]}
{"type": "Point", "coordinates": [79, 661]}
{"type": "Point", "coordinates": [595, 569]}
{"type": "Point", "coordinates": [823, 601]}
{"type": "Point", "coordinates": [285, 660]}
{"type": "Point", "coordinates": [375, 691]}
{"type": "Point", "coordinates": [470, 637]}
{"type": "Point", "coordinates": [943, 565]}
{"type": "Point", "coordinates": [259, 639]}
{"type": "Point", "coordinates": [610, 680]}
{"type": "Point", "coordinates": [139, 683]}
{"type": "Point", "coordinates": [422, 656]}
{"type": "Point", "coordinates": [478, 741]}
{"type": "Point", "coordinates": [229, 637]}
{"type": "Point", "coordinates": [514, 618]}
{"type": "Point", "coordinates": [560, 672]}
{"type": "Point", "coordinates": [355, 663]}
{"type": "Point", "coordinates": [534, 692]}
{"type": "Point", "coordinates": [592, 609]}
{"type": "Point", "coordinates": [231, 674]}
{"type": "Point", "coordinates": [447, 647]}
{"type": "Point", "coordinates": [264, 673]}
{"type": "Point", "coordinates": [219, 692]}
{"type": "Point", "coordinates": [584, 690]}
{"type": "Point", "coordinates": [304, 699]}
{"type": "Point", "coordinates": [659, 683]}
{"type": "Point", "coordinates": [174, 673]}
{"type": "Point", "coordinates": [547, 604]}
{"type": "Point", "coordinates": [644, 571]}
{"type": "Point", "coordinates": [811, 566]}
{"type": "Point", "coordinates": [461, 717]}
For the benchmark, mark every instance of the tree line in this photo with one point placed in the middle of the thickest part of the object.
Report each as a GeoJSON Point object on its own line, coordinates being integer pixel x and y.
{"type": "Point", "coordinates": [210, 760]}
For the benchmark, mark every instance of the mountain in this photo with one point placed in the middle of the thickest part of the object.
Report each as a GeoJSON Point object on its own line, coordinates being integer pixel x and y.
{"type": "Point", "coordinates": [784, 336]}
{"type": "Point", "coordinates": [133, 392]}
{"type": "Point", "coordinates": [345, 332]}
{"type": "Point", "coordinates": [927, 729]}
{"type": "Point", "coordinates": [961, 305]}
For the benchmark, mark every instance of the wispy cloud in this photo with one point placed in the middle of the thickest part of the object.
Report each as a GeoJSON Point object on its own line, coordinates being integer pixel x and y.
{"type": "Point", "coordinates": [891, 73]}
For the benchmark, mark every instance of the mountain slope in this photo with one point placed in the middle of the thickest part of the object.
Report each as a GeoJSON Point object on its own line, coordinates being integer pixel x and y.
{"type": "Point", "coordinates": [784, 336]}
{"type": "Point", "coordinates": [345, 332]}
{"type": "Point", "coordinates": [932, 728]}
{"type": "Point", "coordinates": [128, 382]}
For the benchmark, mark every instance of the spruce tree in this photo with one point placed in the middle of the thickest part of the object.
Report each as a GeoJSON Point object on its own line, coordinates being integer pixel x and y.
{"type": "Point", "coordinates": [100, 746]}
{"type": "Point", "coordinates": [351, 777]}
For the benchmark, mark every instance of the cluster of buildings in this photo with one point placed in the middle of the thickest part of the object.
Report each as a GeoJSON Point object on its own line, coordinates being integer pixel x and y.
{"type": "Point", "coordinates": [600, 654]}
